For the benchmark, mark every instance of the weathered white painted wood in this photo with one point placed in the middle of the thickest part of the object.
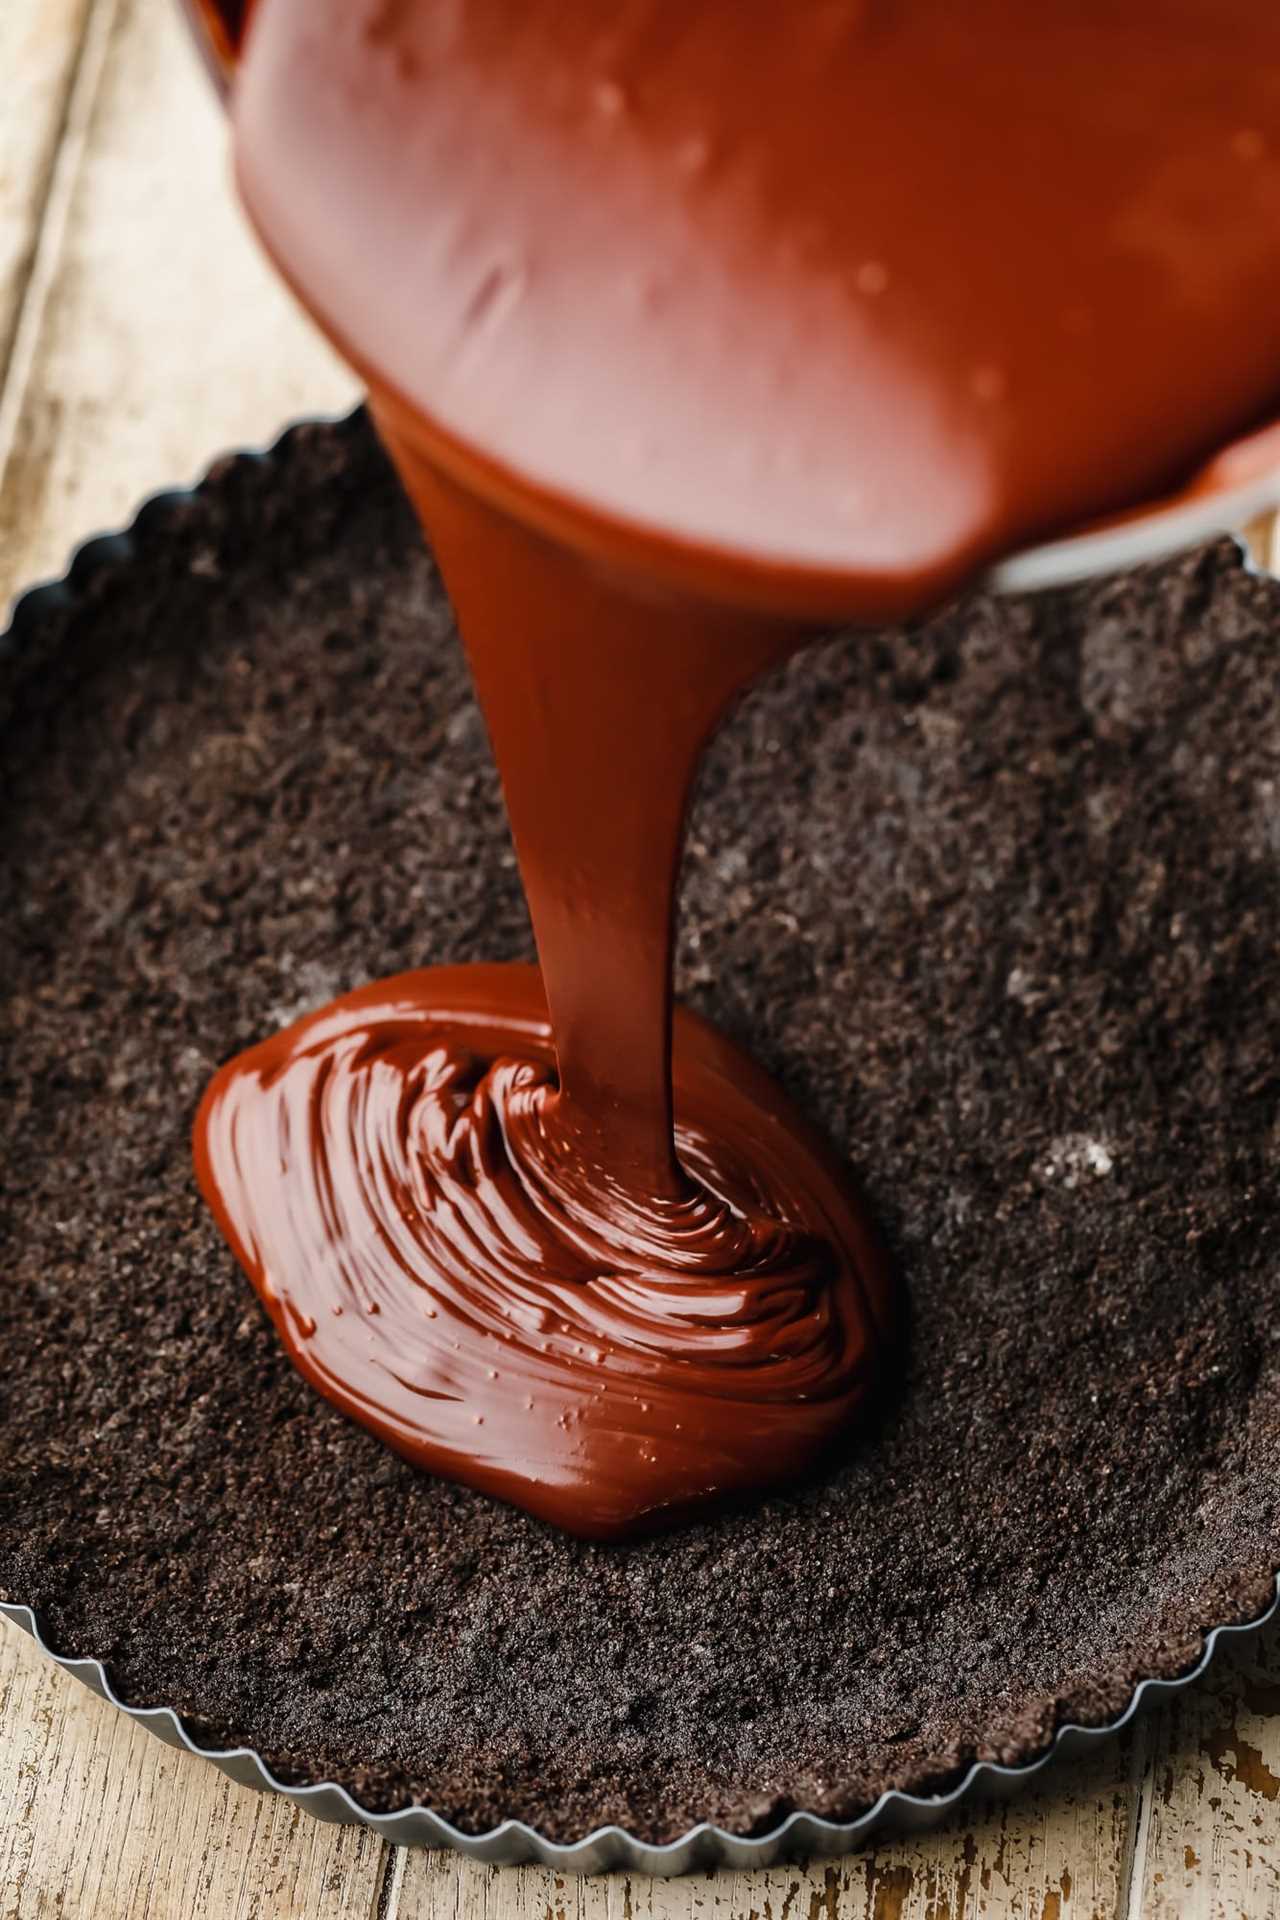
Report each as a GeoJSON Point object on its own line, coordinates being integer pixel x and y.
{"type": "Point", "coordinates": [39, 50]}
{"type": "Point", "coordinates": [100, 1821]}
{"type": "Point", "coordinates": [1262, 537]}
{"type": "Point", "coordinates": [162, 337]}
{"type": "Point", "coordinates": [1212, 1847]}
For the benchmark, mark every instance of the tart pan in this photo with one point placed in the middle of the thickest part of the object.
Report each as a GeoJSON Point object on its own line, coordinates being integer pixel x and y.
{"type": "Point", "coordinates": [510, 1841]}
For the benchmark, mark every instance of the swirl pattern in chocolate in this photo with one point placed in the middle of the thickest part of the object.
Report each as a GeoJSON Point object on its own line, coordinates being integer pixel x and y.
{"type": "Point", "coordinates": [442, 1261]}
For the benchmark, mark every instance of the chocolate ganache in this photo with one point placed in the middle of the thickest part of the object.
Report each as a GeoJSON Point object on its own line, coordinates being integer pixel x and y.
{"type": "Point", "coordinates": [686, 326]}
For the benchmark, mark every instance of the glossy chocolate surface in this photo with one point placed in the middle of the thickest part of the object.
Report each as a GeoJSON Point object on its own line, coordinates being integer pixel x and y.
{"type": "Point", "coordinates": [392, 1174]}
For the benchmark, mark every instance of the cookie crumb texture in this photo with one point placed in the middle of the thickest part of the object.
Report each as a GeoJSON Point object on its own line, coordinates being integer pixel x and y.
{"type": "Point", "coordinates": [996, 900]}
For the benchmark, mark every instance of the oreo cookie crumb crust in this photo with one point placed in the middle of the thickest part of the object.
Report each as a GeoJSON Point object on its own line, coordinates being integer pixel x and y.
{"type": "Point", "coordinates": [996, 900]}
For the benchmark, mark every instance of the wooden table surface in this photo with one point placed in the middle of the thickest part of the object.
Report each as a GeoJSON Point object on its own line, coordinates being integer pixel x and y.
{"type": "Point", "coordinates": [140, 335]}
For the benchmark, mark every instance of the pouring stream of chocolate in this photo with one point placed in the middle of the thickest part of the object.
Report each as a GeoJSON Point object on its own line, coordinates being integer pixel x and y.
{"type": "Point", "coordinates": [686, 325]}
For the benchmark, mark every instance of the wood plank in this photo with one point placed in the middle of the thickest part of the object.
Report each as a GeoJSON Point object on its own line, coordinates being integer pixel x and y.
{"type": "Point", "coordinates": [162, 336]}
{"type": "Point", "coordinates": [100, 1821]}
{"type": "Point", "coordinates": [1213, 1843]}
{"type": "Point", "coordinates": [1262, 537]}
{"type": "Point", "coordinates": [39, 51]}
{"type": "Point", "coordinates": [1048, 1856]}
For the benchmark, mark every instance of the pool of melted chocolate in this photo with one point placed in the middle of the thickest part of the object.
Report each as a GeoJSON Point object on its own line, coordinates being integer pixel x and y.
{"type": "Point", "coordinates": [390, 1174]}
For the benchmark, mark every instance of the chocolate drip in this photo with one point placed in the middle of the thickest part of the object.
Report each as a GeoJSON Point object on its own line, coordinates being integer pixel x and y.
{"type": "Point", "coordinates": [685, 325]}
{"type": "Point", "coordinates": [523, 1261]}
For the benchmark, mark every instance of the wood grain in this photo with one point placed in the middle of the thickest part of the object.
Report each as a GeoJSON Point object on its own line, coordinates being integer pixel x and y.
{"type": "Point", "coordinates": [160, 336]}
{"type": "Point", "coordinates": [1212, 1847]}
{"type": "Point", "coordinates": [140, 334]}
{"type": "Point", "coordinates": [39, 56]}
{"type": "Point", "coordinates": [100, 1821]}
